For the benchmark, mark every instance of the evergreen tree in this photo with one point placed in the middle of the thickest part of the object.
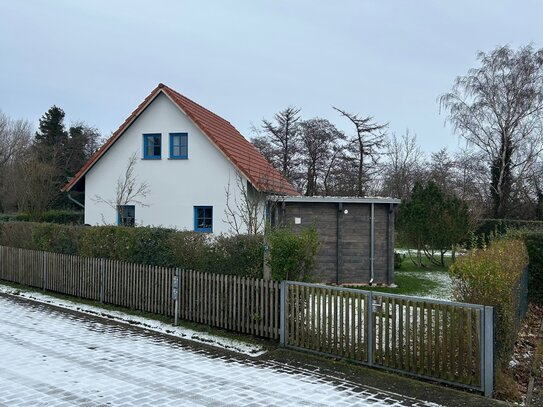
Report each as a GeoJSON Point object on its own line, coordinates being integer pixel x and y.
{"type": "Point", "coordinates": [432, 222]}
{"type": "Point", "coordinates": [51, 138]}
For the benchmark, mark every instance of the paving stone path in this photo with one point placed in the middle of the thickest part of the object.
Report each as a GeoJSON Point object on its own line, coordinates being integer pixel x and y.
{"type": "Point", "coordinates": [49, 357]}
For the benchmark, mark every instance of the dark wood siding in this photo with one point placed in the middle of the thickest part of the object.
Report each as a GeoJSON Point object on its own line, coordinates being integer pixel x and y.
{"type": "Point", "coordinates": [354, 239]}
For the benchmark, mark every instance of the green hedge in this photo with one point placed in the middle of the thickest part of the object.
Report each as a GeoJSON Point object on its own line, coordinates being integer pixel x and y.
{"type": "Point", "coordinates": [291, 254]}
{"type": "Point", "coordinates": [491, 276]}
{"type": "Point", "coordinates": [534, 244]}
{"type": "Point", "coordinates": [502, 226]}
{"type": "Point", "coordinates": [63, 217]}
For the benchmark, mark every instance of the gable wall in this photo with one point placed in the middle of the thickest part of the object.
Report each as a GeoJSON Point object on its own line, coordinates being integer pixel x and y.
{"type": "Point", "coordinates": [176, 185]}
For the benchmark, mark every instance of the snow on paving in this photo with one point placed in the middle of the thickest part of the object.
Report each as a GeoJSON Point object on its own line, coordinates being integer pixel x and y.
{"type": "Point", "coordinates": [52, 357]}
{"type": "Point", "coordinates": [157, 326]}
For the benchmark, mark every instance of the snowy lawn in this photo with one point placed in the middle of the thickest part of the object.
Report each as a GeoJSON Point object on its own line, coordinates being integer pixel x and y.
{"type": "Point", "coordinates": [427, 284]}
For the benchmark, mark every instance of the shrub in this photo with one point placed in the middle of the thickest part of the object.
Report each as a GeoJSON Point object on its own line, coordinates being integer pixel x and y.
{"type": "Point", "coordinates": [63, 217]}
{"type": "Point", "coordinates": [56, 238]}
{"type": "Point", "coordinates": [150, 246]}
{"type": "Point", "coordinates": [241, 255]}
{"type": "Point", "coordinates": [292, 256]}
{"type": "Point", "coordinates": [491, 276]}
{"type": "Point", "coordinates": [189, 250]}
{"type": "Point", "coordinates": [534, 243]}
{"type": "Point", "coordinates": [109, 242]}
{"type": "Point", "coordinates": [17, 234]}
{"type": "Point", "coordinates": [398, 260]}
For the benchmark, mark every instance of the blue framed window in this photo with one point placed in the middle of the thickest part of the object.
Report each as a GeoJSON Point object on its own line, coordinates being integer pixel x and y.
{"type": "Point", "coordinates": [203, 219]}
{"type": "Point", "coordinates": [179, 145]}
{"type": "Point", "coordinates": [126, 215]}
{"type": "Point", "coordinates": [152, 146]}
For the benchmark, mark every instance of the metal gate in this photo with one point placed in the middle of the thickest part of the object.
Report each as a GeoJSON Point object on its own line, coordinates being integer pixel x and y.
{"type": "Point", "coordinates": [440, 340]}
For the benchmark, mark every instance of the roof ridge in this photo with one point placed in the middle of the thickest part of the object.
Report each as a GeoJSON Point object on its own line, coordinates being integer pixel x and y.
{"type": "Point", "coordinates": [196, 103]}
{"type": "Point", "coordinates": [243, 155]}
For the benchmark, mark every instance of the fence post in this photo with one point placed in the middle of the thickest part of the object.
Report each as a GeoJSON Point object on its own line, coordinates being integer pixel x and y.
{"type": "Point", "coordinates": [282, 313]}
{"type": "Point", "coordinates": [102, 280]}
{"type": "Point", "coordinates": [488, 384]}
{"type": "Point", "coordinates": [43, 270]}
{"type": "Point", "coordinates": [369, 322]}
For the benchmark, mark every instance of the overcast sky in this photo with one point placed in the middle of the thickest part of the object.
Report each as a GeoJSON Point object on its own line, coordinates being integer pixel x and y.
{"type": "Point", "coordinates": [245, 60]}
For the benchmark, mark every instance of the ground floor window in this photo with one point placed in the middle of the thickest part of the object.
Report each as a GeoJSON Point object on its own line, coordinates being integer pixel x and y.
{"type": "Point", "coordinates": [203, 219]}
{"type": "Point", "coordinates": [126, 215]}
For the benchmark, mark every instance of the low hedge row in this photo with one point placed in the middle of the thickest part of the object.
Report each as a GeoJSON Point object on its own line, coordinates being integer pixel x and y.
{"type": "Point", "coordinates": [534, 244]}
{"type": "Point", "coordinates": [64, 217]}
{"type": "Point", "coordinates": [239, 255]}
{"type": "Point", "coordinates": [491, 276]}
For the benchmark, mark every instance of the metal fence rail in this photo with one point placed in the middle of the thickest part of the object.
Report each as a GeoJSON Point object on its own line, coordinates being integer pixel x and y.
{"type": "Point", "coordinates": [445, 341]}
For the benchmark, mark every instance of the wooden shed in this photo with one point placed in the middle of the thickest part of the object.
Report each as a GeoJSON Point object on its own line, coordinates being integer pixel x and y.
{"type": "Point", "coordinates": [356, 236]}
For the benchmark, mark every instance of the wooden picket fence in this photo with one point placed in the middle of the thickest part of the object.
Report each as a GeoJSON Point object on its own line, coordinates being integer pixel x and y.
{"type": "Point", "coordinates": [441, 340]}
{"type": "Point", "coordinates": [246, 305]}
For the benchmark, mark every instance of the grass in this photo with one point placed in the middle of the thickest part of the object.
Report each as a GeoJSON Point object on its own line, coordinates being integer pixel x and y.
{"type": "Point", "coordinates": [428, 281]}
{"type": "Point", "coordinates": [408, 284]}
{"type": "Point", "coordinates": [407, 265]}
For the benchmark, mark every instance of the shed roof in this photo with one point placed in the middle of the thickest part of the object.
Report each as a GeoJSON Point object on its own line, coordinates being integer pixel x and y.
{"type": "Point", "coordinates": [338, 199]}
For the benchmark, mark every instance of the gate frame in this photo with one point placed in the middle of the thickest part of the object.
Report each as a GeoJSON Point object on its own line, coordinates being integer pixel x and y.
{"type": "Point", "coordinates": [486, 339]}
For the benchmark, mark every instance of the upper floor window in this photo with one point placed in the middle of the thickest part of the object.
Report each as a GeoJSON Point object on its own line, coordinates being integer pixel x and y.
{"type": "Point", "coordinates": [203, 218]}
{"type": "Point", "coordinates": [126, 215]}
{"type": "Point", "coordinates": [152, 146]}
{"type": "Point", "coordinates": [179, 145]}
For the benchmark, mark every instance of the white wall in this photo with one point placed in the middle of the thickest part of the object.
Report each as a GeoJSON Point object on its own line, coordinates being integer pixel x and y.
{"type": "Point", "coordinates": [176, 185]}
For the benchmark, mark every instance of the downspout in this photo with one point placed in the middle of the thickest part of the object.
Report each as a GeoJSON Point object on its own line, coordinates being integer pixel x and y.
{"type": "Point", "coordinates": [390, 249]}
{"type": "Point", "coordinates": [75, 201]}
{"type": "Point", "coordinates": [339, 233]}
{"type": "Point", "coordinates": [372, 242]}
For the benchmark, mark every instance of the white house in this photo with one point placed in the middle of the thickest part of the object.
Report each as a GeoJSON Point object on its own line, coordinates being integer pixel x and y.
{"type": "Point", "coordinates": [188, 157]}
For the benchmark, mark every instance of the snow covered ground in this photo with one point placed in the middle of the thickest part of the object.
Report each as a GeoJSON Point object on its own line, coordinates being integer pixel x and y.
{"type": "Point", "coordinates": [53, 357]}
{"type": "Point", "coordinates": [157, 326]}
{"type": "Point", "coordinates": [443, 291]}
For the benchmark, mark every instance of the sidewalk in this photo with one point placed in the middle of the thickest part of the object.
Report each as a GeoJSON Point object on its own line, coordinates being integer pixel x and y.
{"type": "Point", "coordinates": [284, 369]}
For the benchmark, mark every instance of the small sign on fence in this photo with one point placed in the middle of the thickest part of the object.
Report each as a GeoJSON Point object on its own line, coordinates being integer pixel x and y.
{"type": "Point", "coordinates": [175, 286]}
{"type": "Point", "coordinates": [175, 294]}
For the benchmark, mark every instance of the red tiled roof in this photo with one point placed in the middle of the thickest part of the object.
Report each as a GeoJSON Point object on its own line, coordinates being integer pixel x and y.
{"type": "Point", "coordinates": [240, 152]}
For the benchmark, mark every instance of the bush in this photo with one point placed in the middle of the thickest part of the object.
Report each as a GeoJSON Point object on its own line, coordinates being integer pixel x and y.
{"type": "Point", "coordinates": [534, 243]}
{"type": "Point", "coordinates": [56, 238]}
{"type": "Point", "coordinates": [62, 217]}
{"type": "Point", "coordinates": [491, 276]}
{"type": "Point", "coordinates": [292, 256]}
{"type": "Point", "coordinates": [398, 260]}
{"type": "Point", "coordinates": [189, 250]}
{"type": "Point", "coordinates": [17, 234]}
{"type": "Point", "coordinates": [241, 255]}
{"type": "Point", "coordinates": [109, 242]}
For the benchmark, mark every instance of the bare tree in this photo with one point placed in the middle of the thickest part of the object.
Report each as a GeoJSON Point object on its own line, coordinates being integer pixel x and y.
{"type": "Point", "coordinates": [403, 166]}
{"type": "Point", "coordinates": [364, 147]}
{"type": "Point", "coordinates": [498, 107]}
{"type": "Point", "coordinates": [245, 213]}
{"type": "Point", "coordinates": [320, 141]}
{"type": "Point", "coordinates": [15, 136]}
{"type": "Point", "coordinates": [129, 189]}
{"type": "Point", "coordinates": [279, 141]}
{"type": "Point", "coordinates": [33, 182]}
